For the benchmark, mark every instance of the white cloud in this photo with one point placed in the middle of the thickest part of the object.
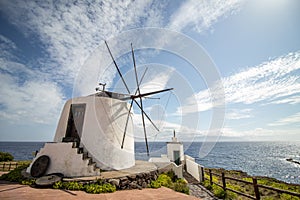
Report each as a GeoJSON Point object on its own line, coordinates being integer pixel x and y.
{"type": "Point", "coordinates": [201, 15]}
{"type": "Point", "coordinates": [69, 31]}
{"type": "Point", "coordinates": [72, 30]}
{"type": "Point", "coordinates": [29, 102]}
{"type": "Point", "coordinates": [272, 82]}
{"type": "Point", "coordinates": [267, 82]}
{"type": "Point", "coordinates": [7, 46]}
{"type": "Point", "coordinates": [156, 79]}
{"type": "Point", "coordinates": [239, 114]}
{"type": "Point", "coordinates": [293, 119]}
{"type": "Point", "coordinates": [27, 95]}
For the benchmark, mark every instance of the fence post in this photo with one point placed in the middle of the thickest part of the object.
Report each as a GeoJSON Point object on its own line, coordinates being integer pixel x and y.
{"type": "Point", "coordinates": [210, 177]}
{"type": "Point", "coordinates": [9, 166]}
{"type": "Point", "coordinates": [202, 173]}
{"type": "Point", "coordinates": [3, 166]}
{"type": "Point", "coordinates": [256, 190]}
{"type": "Point", "coordinates": [223, 181]}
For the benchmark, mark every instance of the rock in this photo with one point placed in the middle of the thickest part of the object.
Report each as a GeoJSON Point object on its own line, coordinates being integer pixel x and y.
{"type": "Point", "coordinates": [132, 177]}
{"type": "Point", "coordinates": [144, 184]}
{"type": "Point", "coordinates": [134, 185]}
{"type": "Point", "coordinates": [47, 180]}
{"type": "Point", "coordinates": [124, 181]}
{"type": "Point", "coordinates": [140, 181]}
{"type": "Point", "coordinates": [139, 175]}
{"type": "Point", "coordinates": [115, 182]}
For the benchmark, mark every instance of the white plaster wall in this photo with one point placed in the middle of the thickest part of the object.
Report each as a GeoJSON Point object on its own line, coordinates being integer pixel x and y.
{"type": "Point", "coordinates": [177, 170]}
{"type": "Point", "coordinates": [189, 158]}
{"type": "Point", "coordinates": [65, 159]}
{"type": "Point", "coordinates": [163, 158]}
{"type": "Point", "coordinates": [193, 169]}
{"type": "Point", "coordinates": [171, 147]}
{"type": "Point", "coordinates": [102, 131]}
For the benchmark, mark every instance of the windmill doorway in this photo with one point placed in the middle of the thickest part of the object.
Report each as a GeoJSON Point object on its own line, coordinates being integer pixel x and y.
{"type": "Point", "coordinates": [75, 123]}
{"type": "Point", "coordinates": [177, 157]}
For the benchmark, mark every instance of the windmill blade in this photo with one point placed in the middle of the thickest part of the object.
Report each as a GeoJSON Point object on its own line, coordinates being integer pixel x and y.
{"type": "Point", "coordinates": [125, 130]}
{"type": "Point", "coordinates": [141, 101]}
{"type": "Point", "coordinates": [117, 68]}
{"type": "Point", "coordinates": [146, 94]}
{"type": "Point", "coordinates": [150, 93]}
{"type": "Point", "coordinates": [143, 120]}
{"type": "Point", "coordinates": [146, 115]}
{"type": "Point", "coordinates": [128, 115]}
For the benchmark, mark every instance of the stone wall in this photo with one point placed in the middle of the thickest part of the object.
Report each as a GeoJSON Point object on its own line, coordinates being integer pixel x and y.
{"type": "Point", "coordinates": [136, 181]}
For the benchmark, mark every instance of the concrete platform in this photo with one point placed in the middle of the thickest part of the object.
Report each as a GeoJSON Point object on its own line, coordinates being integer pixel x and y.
{"type": "Point", "coordinates": [139, 167]}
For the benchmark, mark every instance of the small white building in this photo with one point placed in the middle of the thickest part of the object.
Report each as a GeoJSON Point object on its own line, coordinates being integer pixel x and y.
{"type": "Point", "coordinates": [89, 133]}
{"type": "Point", "coordinates": [175, 150]}
{"type": "Point", "coordinates": [175, 153]}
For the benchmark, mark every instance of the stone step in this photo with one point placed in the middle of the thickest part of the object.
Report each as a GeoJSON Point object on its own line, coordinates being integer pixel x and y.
{"type": "Point", "coordinates": [85, 156]}
{"type": "Point", "coordinates": [79, 150]}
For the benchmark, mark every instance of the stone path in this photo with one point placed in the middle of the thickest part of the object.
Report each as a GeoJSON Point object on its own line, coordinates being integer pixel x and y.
{"type": "Point", "coordinates": [196, 189]}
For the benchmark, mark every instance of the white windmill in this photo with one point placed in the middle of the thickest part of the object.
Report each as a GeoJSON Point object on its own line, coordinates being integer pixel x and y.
{"type": "Point", "coordinates": [95, 131]}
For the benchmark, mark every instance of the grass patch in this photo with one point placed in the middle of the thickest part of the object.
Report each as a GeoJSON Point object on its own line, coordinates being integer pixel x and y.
{"type": "Point", "coordinates": [265, 194]}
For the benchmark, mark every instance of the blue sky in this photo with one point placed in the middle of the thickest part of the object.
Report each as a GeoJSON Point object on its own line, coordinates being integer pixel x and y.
{"type": "Point", "coordinates": [45, 45]}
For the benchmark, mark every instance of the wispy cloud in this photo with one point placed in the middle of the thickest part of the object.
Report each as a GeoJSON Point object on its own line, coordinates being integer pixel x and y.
{"type": "Point", "coordinates": [272, 82]}
{"type": "Point", "coordinates": [69, 31]}
{"type": "Point", "coordinates": [201, 15]}
{"type": "Point", "coordinates": [239, 114]}
{"type": "Point", "coordinates": [27, 96]}
{"type": "Point", "coordinates": [72, 30]}
{"type": "Point", "coordinates": [293, 119]}
{"type": "Point", "coordinates": [33, 101]}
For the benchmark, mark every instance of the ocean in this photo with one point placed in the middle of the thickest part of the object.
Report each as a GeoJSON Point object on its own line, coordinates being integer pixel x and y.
{"type": "Point", "coordinates": [255, 158]}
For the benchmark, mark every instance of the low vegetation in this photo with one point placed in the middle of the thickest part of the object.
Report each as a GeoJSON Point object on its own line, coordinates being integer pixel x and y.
{"type": "Point", "coordinates": [16, 175]}
{"type": "Point", "coordinates": [265, 194]}
{"type": "Point", "coordinates": [4, 157]}
{"type": "Point", "coordinates": [95, 188]}
{"type": "Point", "coordinates": [169, 180]}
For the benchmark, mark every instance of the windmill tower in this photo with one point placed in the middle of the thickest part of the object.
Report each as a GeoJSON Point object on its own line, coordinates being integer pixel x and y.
{"type": "Point", "coordinates": [95, 131]}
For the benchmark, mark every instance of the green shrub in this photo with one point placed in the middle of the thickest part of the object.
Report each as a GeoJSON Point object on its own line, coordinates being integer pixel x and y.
{"type": "Point", "coordinates": [97, 189]}
{"type": "Point", "coordinates": [288, 197]}
{"type": "Point", "coordinates": [28, 182]}
{"type": "Point", "coordinates": [89, 188]}
{"type": "Point", "coordinates": [73, 186]}
{"type": "Point", "coordinates": [14, 175]}
{"type": "Point", "coordinates": [207, 185]}
{"type": "Point", "coordinates": [58, 185]}
{"type": "Point", "coordinates": [4, 156]}
{"type": "Point", "coordinates": [155, 184]}
{"type": "Point", "coordinates": [218, 191]}
{"type": "Point", "coordinates": [165, 180]}
{"type": "Point", "coordinates": [181, 186]}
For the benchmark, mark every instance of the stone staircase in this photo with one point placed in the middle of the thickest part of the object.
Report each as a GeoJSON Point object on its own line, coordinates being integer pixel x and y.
{"type": "Point", "coordinates": [86, 157]}
{"type": "Point", "coordinates": [69, 159]}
